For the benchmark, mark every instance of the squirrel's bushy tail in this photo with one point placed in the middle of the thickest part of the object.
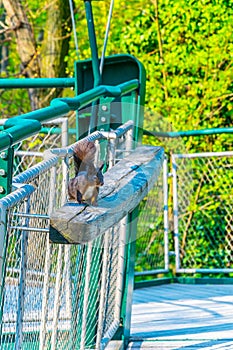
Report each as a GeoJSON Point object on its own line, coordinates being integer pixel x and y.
{"type": "Point", "coordinates": [84, 152]}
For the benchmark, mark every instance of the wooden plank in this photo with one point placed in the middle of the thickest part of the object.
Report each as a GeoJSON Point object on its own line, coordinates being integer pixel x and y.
{"type": "Point", "coordinates": [176, 316]}
{"type": "Point", "coordinates": [125, 185]}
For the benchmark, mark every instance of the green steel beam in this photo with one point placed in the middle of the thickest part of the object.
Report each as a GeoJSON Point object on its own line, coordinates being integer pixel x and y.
{"type": "Point", "coordinates": [100, 91]}
{"type": "Point", "coordinates": [202, 132]}
{"type": "Point", "coordinates": [25, 125]}
{"type": "Point", "coordinates": [92, 40]}
{"type": "Point", "coordinates": [126, 303]}
{"type": "Point", "coordinates": [36, 83]}
{"type": "Point", "coordinates": [188, 133]}
{"type": "Point", "coordinates": [6, 171]}
{"type": "Point", "coordinates": [95, 60]}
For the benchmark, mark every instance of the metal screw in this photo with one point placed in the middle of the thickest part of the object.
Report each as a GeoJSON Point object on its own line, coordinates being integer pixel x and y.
{"type": "Point", "coordinates": [3, 155]}
{"type": "Point", "coordinates": [2, 172]}
{"type": "Point", "coordinates": [103, 119]}
{"type": "Point", "coordinates": [104, 108]}
{"type": "Point", "coordinates": [2, 190]}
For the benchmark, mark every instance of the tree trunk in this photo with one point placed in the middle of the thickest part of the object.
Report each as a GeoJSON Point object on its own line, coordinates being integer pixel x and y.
{"type": "Point", "coordinates": [56, 39]}
{"type": "Point", "coordinates": [25, 41]}
{"type": "Point", "coordinates": [50, 63]}
{"type": "Point", "coordinates": [55, 45]}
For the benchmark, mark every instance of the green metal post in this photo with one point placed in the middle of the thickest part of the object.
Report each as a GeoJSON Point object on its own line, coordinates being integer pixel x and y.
{"type": "Point", "coordinates": [95, 60]}
{"type": "Point", "coordinates": [18, 83]}
{"type": "Point", "coordinates": [6, 171]}
{"type": "Point", "coordinates": [85, 306]}
{"type": "Point", "coordinates": [126, 305]}
{"type": "Point", "coordinates": [189, 133]}
{"type": "Point", "coordinates": [93, 44]}
{"type": "Point", "coordinates": [118, 69]}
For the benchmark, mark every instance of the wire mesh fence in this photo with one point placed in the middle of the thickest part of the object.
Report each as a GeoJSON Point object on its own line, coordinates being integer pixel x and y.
{"type": "Point", "coordinates": [152, 232]}
{"type": "Point", "coordinates": [31, 151]}
{"type": "Point", "coordinates": [203, 201]}
{"type": "Point", "coordinates": [57, 296]}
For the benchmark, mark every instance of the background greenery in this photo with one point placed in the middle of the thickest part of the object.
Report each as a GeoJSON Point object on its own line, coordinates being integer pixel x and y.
{"type": "Point", "coordinates": [187, 50]}
{"type": "Point", "coordinates": [186, 47]}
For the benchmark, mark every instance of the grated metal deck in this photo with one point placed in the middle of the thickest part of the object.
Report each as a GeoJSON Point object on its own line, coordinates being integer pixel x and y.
{"type": "Point", "coordinates": [182, 316]}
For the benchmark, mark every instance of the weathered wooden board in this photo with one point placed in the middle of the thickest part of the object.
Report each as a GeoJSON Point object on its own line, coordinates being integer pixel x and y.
{"type": "Point", "coordinates": [125, 185]}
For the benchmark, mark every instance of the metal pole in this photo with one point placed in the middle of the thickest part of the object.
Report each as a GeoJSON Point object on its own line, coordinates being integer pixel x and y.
{"type": "Point", "coordinates": [67, 267]}
{"type": "Point", "coordinates": [111, 152]}
{"type": "Point", "coordinates": [175, 212]}
{"type": "Point", "coordinates": [74, 27]}
{"type": "Point", "coordinates": [3, 249]}
{"type": "Point", "coordinates": [86, 296]}
{"type": "Point", "coordinates": [93, 44]}
{"type": "Point", "coordinates": [44, 312]}
{"type": "Point", "coordinates": [106, 38]}
{"type": "Point", "coordinates": [165, 214]}
{"type": "Point", "coordinates": [64, 132]}
{"type": "Point", "coordinates": [95, 60]}
{"type": "Point", "coordinates": [27, 83]}
{"type": "Point", "coordinates": [22, 282]}
{"type": "Point", "coordinates": [129, 142]}
{"type": "Point", "coordinates": [68, 282]}
{"type": "Point", "coordinates": [77, 287]}
{"type": "Point", "coordinates": [10, 201]}
{"type": "Point", "coordinates": [57, 298]}
{"type": "Point", "coordinates": [102, 302]}
{"type": "Point", "coordinates": [65, 162]}
{"type": "Point", "coordinates": [120, 270]}
{"type": "Point", "coordinates": [59, 263]}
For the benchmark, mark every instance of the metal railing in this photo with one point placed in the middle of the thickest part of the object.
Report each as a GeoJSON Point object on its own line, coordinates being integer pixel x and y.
{"type": "Point", "coordinates": [60, 296]}
{"type": "Point", "coordinates": [152, 245]}
{"type": "Point", "coordinates": [186, 225]}
{"type": "Point", "coordinates": [25, 125]}
{"type": "Point", "coordinates": [202, 205]}
{"type": "Point", "coordinates": [31, 150]}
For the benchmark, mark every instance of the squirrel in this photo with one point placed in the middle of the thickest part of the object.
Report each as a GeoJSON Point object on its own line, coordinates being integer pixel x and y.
{"type": "Point", "coordinates": [84, 187]}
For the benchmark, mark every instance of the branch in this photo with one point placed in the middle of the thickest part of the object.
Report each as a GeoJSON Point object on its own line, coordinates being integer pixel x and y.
{"type": "Point", "coordinates": [159, 36]}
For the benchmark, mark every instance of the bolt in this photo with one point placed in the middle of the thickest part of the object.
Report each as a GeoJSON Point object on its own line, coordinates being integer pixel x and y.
{"type": "Point", "coordinates": [104, 108]}
{"type": "Point", "coordinates": [3, 155]}
{"type": "Point", "coordinates": [103, 119]}
{"type": "Point", "coordinates": [2, 190]}
{"type": "Point", "coordinates": [2, 172]}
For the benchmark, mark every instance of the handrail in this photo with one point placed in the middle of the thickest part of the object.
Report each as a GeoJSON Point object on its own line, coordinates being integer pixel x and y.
{"type": "Point", "coordinates": [16, 83]}
{"type": "Point", "coordinates": [25, 125]}
{"type": "Point", "coordinates": [201, 132]}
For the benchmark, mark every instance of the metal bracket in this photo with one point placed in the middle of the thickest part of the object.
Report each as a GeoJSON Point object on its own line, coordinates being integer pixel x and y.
{"type": "Point", "coordinates": [104, 114]}
{"type": "Point", "coordinates": [6, 171]}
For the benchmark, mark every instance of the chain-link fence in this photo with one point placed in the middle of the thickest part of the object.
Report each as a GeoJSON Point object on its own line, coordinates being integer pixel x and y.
{"type": "Point", "coordinates": [203, 202]}
{"type": "Point", "coordinates": [152, 256]}
{"type": "Point", "coordinates": [31, 151]}
{"type": "Point", "coordinates": [59, 296]}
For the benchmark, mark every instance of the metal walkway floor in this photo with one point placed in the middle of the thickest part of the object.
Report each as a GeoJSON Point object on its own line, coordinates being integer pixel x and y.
{"type": "Point", "coordinates": [182, 316]}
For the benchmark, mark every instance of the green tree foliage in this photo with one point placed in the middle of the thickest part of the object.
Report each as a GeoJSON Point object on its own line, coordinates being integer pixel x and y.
{"type": "Point", "coordinates": [185, 46]}
{"type": "Point", "coordinates": [38, 41]}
